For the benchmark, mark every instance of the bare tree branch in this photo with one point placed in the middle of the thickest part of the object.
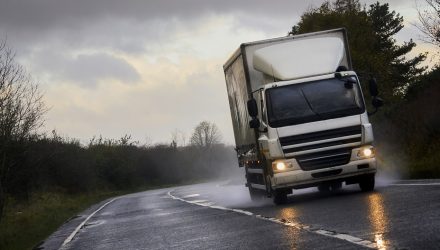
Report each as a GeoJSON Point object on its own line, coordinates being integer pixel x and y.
{"type": "Point", "coordinates": [205, 135]}
{"type": "Point", "coordinates": [429, 21]}
{"type": "Point", "coordinates": [21, 112]}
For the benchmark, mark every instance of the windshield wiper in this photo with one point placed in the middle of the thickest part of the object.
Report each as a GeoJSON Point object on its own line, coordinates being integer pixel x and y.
{"type": "Point", "coordinates": [308, 104]}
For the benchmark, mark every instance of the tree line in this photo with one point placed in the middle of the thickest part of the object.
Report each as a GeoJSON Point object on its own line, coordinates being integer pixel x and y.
{"type": "Point", "coordinates": [56, 164]}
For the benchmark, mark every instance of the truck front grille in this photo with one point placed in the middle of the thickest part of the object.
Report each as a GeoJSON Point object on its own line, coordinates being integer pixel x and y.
{"type": "Point", "coordinates": [325, 159]}
{"type": "Point", "coordinates": [323, 139]}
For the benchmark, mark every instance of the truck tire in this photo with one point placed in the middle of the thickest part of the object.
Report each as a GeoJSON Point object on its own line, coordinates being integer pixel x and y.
{"type": "Point", "coordinates": [324, 188]}
{"type": "Point", "coordinates": [367, 183]}
{"type": "Point", "coordinates": [335, 186]}
{"type": "Point", "coordinates": [279, 197]}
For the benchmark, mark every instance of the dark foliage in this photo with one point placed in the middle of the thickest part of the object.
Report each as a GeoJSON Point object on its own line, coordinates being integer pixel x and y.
{"type": "Point", "coordinates": [21, 111]}
{"type": "Point", "coordinates": [56, 164]}
{"type": "Point", "coordinates": [371, 39]}
{"type": "Point", "coordinates": [413, 127]}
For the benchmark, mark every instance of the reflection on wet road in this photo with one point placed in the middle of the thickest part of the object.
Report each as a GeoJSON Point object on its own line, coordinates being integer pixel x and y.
{"type": "Point", "coordinates": [402, 215]}
{"type": "Point", "coordinates": [288, 213]}
{"type": "Point", "coordinates": [378, 219]}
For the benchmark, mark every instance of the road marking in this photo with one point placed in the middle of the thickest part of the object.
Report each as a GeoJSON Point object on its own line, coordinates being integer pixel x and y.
{"type": "Point", "coordinates": [415, 184]}
{"type": "Point", "coordinates": [198, 201]}
{"type": "Point", "coordinates": [242, 212]}
{"type": "Point", "coordinates": [191, 195]}
{"type": "Point", "coordinates": [70, 238]}
{"type": "Point", "coordinates": [341, 236]}
{"type": "Point", "coordinates": [207, 203]}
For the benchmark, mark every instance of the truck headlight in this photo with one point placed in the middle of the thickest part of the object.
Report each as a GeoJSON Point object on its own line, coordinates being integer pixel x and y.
{"type": "Point", "coordinates": [280, 166]}
{"type": "Point", "coordinates": [366, 152]}
{"type": "Point", "coordinates": [283, 165]}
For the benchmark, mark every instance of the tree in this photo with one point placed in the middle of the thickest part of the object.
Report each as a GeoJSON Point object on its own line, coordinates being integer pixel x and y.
{"type": "Point", "coordinates": [430, 21]}
{"type": "Point", "coordinates": [371, 39]}
{"type": "Point", "coordinates": [21, 111]}
{"type": "Point", "coordinates": [205, 135]}
{"type": "Point", "coordinates": [178, 138]}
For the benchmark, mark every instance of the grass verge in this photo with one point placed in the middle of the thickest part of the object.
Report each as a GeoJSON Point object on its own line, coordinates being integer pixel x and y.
{"type": "Point", "coordinates": [26, 223]}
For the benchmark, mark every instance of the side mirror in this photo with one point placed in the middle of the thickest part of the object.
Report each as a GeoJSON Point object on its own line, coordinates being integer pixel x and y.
{"type": "Point", "coordinates": [254, 123]}
{"type": "Point", "coordinates": [252, 107]}
{"type": "Point", "coordinates": [349, 83]}
{"type": "Point", "coordinates": [377, 102]}
{"type": "Point", "coordinates": [372, 86]}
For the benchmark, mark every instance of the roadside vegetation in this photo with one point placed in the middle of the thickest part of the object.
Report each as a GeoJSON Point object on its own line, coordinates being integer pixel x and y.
{"type": "Point", "coordinates": [58, 177]}
{"type": "Point", "coordinates": [410, 129]}
{"type": "Point", "coordinates": [27, 222]}
{"type": "Point", "coordinates": [45, 179]}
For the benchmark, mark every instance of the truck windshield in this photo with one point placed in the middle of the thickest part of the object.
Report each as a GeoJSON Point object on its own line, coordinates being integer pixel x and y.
{"type": "Point", "coordinates": [312, 101]}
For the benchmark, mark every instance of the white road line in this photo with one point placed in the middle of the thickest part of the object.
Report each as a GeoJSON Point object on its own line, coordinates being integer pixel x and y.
{"type": "Point", "coordinates": [207, 204]}
{"type": "Point", "coordinates": [191, 195]}
{"type": "Point", "coordinates": [415, 184]}
{"type": "Point", "coordinates": [198, 201]}
{"type": "Point", "coordinates": [346, 237]}
{"type": "Point", "coordinates": [69, 239]}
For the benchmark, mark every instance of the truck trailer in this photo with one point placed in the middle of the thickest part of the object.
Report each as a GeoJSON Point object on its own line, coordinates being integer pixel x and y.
{"type": "Point", "coordinates": [299, 115]}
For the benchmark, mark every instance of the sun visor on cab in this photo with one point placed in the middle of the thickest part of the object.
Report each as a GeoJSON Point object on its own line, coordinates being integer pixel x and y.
{"type": "Point", "coordinates": [301, 58]}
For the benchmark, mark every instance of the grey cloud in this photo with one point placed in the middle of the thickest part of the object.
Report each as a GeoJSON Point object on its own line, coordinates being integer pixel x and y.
{"type": "Point", "coordinates": [40, 13]}
{"type": "Point", "coordinates": [89, 69]}
{"type": "Point", "coordinates": [49, 14]}
{"type": "Point", "coordinates": [132, 26]}
{"type": "Point", "coordinates": [41, 16]}
{"type": "Point", "coordinates": [85, 69]}
{"type": "Point", "coordinates": [201, 96]}
{"type": "Point", "coordinates": [129, 25]}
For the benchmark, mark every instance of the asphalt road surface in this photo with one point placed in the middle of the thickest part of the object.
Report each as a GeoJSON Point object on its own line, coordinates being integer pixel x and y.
{"type": "Point", "coordinates": [220, 215]}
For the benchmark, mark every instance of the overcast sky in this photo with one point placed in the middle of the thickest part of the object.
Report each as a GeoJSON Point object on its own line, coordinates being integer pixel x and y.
{"type": "Point", "coordinates": [144, 67]}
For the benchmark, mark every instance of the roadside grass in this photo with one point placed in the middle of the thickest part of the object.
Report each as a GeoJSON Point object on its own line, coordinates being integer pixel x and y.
{"type": "Point", "coordinates": [26, 223]}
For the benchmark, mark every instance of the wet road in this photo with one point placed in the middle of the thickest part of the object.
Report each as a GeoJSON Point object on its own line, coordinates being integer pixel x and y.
{"type": "Point", "coordinates": [402, 215]}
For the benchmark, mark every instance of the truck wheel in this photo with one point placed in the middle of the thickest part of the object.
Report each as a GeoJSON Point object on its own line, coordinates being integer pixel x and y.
{"type": "Point", "coordinates": [324, 188]}
{"type": "Point", "coordinates": [367, 183]}
{"type": "Point", "coordinates": [335, 186]}
{"type": "Point", "coordinates": [279, 197]}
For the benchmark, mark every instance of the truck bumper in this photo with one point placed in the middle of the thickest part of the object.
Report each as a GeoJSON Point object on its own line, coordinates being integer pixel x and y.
{"type": "Point", "coordinates": [301, 179]}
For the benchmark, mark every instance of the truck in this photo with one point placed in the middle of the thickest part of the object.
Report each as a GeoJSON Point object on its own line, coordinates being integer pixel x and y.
{"type": "Point", "coordinates": [299, 115]}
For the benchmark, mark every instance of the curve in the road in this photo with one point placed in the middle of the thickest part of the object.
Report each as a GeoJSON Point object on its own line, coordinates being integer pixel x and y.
{"type": "Point", "coordinates": [341, 236]}
{"type": "Point", "coordinates": [70, 237]}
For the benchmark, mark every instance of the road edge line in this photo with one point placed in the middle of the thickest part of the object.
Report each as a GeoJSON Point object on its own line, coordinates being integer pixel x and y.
{"type": "Point", "coordinates": [70, 237]}
{"type": "Point", "coordinates": [415, 184]}
{"type": "Point", "coordinates": [340, 236]}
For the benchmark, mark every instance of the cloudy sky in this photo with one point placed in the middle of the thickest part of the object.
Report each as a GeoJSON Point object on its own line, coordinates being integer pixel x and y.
{"type": "Point", "coordinates": [145, 68]}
